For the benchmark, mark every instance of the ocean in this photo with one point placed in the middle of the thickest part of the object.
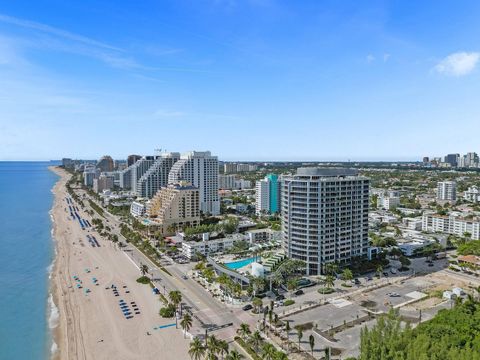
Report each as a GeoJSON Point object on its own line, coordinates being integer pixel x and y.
{"type": "Point", "coordinates": [26, 255]}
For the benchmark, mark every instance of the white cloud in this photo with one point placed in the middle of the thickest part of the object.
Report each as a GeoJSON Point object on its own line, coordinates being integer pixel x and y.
{"type": "Point", "coordinates": [458, 64]}
{"type": "Point", "coordinates": [386, 57]}
{"type": "Point", "coordinates": [370, 58]}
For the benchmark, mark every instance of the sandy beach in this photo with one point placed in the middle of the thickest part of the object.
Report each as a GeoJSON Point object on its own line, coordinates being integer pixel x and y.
{"type": "Point", "coordinates": [91, 324]}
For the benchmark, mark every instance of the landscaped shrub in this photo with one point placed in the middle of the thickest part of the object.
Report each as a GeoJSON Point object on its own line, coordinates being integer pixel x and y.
{"type": "Point", "coordinates": [143, 280]}
{"type": "Point", "coordinates": [326, 290]}
{"type": "Point", "coordinates": [167, 311]}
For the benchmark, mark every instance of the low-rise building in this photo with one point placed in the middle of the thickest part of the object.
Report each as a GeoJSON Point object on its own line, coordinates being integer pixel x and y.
{"type": "Point", "coordinates": [452, 224]}
{"type": "Point", "coordinates": [413, 223]}
{"type": "Point", "coordinates": [138, 208]}
{"type": "Point", "coordinates": [263, 235]}
{"type": "Point", "coordinates": [389, 200]}
{"type": "Point", "coordinates": [472, 194]}
{"type": "Point", "coordinates": [207, 247]}
{"type": "Point", "coordinates": [242, 184]}
{"type": "Point", "coordinates": [408, 248]}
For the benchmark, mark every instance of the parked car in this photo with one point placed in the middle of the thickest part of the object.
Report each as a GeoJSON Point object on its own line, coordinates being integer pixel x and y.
{"type": "Point", "coordinates": [184, 277]}
{"type": "Point", "coordinates": [299, 292]}
{"type": "Point", "coordinates": [280, 297]}
{"type": "Point", "coordinates": [385, 273]}
{"type": "Point", "coordinates": [356, 281]}
{"type": "Point", "coordinates": [247, 307]}
{"type": "Point", "coordinates": [431, 264]}
{"type": "Point", "coordinates": [394, 294]}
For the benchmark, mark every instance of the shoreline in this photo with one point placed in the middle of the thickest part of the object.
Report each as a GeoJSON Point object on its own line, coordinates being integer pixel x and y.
{"type": "Point", "coordinates": [90, 323]}
{"type": "Point", "coordinates": [53, 296]}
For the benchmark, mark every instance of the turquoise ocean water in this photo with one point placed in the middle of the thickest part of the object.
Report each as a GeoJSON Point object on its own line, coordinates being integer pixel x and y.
{"type": "Point", "coordinates": [26, 255]}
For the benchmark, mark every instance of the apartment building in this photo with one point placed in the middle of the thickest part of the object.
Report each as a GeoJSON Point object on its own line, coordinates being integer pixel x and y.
{"type": "Point", "coordinates": [267, 196]}
{"type": "Point", "coordinates": [157, 174]}
{"type": "Point", "coordinates": [226, 182]}
{"type": "Point", "coordinates": [137, 170]}
{"type": "Point", "coordinates": [389, 200]}
{"type": "Point", "coordinates": [105, 163]}
{"type": "Point", "coordinates": [103, 182]}
{"type": "Point", "coordinates": [325, 216]}
{"type": "Point", "coordinates": [452, 224]}
{"type": "Point", "coordinates": [472, 194]}
{"type": "Point", "coordinates": [447, 191]}
{"type": "Point", "coordinates": [138, 208]}
{"type": "Point", "coordinates": [208, 247]}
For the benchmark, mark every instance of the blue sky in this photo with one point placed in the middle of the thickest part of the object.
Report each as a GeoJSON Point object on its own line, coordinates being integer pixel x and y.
{"type": "Point", "coordinates": [248, 80]}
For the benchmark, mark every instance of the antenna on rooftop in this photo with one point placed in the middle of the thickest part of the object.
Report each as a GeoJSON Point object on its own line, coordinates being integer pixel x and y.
{"type": "Point", "coordinates": [158, 151]}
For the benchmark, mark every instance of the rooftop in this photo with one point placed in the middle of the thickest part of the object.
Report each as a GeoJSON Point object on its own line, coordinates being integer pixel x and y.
{"type": "Point", "coordinates": [315, 171]}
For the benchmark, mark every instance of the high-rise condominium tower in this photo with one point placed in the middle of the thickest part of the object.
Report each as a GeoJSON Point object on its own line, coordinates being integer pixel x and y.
{"type": "Point", "coordinates": [105, 164]}
{"type": "Point", "coordinates": [156, 176]}
{"type": "Point", "coordinates": [201, 170]}
{"type": "Point", "coordinates": [267, 196]}
{"type": "Point", "coordinates": [325, 216]}
{"type": "Point", "coordinates": [138, 169]}
{"type": "Point", "coordinates": [132, 159]}
{"type": "Point", "coordinates": [447, 190]}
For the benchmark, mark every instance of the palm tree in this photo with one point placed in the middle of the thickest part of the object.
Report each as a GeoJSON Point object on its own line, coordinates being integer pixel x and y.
{"type": "Point", "coordinates": [278, 279]}
{"type": "Point", "coordinates": [234, 355]}
{"type": "Point", "coordinates": [275, 321]}
{"type": "Point", "coordinates": [186, 323]}
{"type": "Point", "coordinates": [197, 350]}
{"type": "Point", "coordinates": [256, 340]}
{"type": "Point", "coordinates": [143, 269]}
{"type": "Point", "coordinates": [379, 270]}
{"type": "Point", "coordinates": [212, 347]}
{"type": "Point", "coordinates": [292, 285]}
{"type": "Point", "coordinates": [300, 335]}
{"type": "Point", "coordinates": [280, 355]}
{"type": "Point", "coordinates": [257, 303]}
{"type": "Point", "coordinates": [311, 340]}
{"type": "Point", "coordinates": [329, 281]}
{"type": "Point", "coordinates": [287, 329]}
{"type": "Point", "coordinates": [347, 275]}
{"type": "Point", "coordinates": [244, 330]}
{"type": "Point", "coordinates": [331, 268]}
{"type": "Point", "coordinates": [270, 318]}
{"type": "Point", "coordinates": [222, 346]}
{"type": "Point", "coordinates": [268, 351]}
{"type": "Point", "coordinates": [175, 297]}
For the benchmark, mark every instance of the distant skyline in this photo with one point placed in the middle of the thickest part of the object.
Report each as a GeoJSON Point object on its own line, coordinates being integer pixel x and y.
{"type": "Point", "coordinates": [248, 80]}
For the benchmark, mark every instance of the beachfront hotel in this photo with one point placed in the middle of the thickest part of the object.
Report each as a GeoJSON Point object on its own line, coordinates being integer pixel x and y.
{"type": "Point", "coordinates": [325, 216]}
{"type": "Point", "coordinates": [175, 207]}
{"type": "Point", "coordinates": [201, 170]}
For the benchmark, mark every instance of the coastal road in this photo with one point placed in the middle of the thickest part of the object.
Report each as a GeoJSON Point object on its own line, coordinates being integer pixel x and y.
{"type": "Point", "coordinates": [209, 313]}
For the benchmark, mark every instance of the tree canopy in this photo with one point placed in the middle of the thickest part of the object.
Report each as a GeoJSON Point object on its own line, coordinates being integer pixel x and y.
{"type": "Point", "coordinates": [451, 335]}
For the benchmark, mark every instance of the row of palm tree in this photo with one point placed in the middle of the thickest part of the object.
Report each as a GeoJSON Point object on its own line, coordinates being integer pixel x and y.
{"type": "Point", "coordinates": [211, 349]}
{"type": "Point", "coordinates": [266, 350]}
{"type": "Point", "coordinates": [229, 286]}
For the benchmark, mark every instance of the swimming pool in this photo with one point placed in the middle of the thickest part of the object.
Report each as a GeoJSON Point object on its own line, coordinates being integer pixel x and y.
{"type": "Point", "coordinates": [240, 263]}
